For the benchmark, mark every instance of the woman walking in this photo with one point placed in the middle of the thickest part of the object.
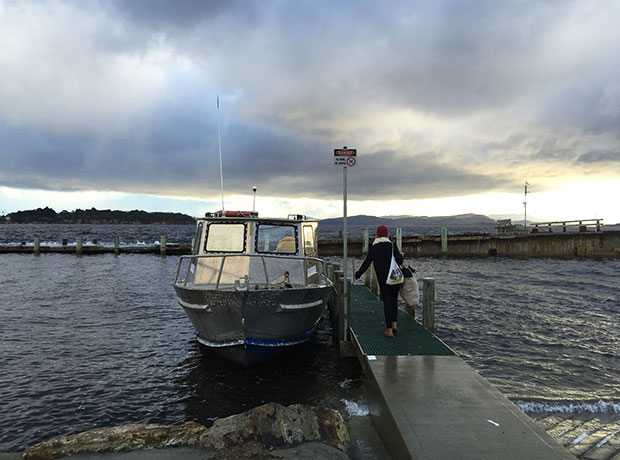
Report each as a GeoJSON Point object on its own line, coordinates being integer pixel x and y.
{"type": "Point", "coordinates": [380, 255]}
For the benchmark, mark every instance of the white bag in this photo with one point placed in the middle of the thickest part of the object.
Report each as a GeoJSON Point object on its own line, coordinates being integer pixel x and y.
{"type": "Point", "coordinates": [410, 292]}
{"type": "Point", "coordinates": [395, 275]}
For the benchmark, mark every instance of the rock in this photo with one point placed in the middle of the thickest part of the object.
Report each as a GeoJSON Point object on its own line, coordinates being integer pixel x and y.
{"type": "Point", "coordinates": [275, 425]}
{"type": "Point", "coordinates": [253, 434]}
{"type": "Point", "coordinates": [117, 439]}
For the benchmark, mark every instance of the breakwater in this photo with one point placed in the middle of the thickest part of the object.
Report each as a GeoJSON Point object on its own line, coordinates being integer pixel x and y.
{"type": "Point", "coordinates": [583, 244]}
{"type": "Point", "coordinates": [566, 245]}
{"type": "Point", "coordinates": [80, 249]}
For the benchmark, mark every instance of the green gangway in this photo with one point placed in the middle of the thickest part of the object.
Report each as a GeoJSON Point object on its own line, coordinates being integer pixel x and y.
{"type": "Point", "coordinates": [367, 324]}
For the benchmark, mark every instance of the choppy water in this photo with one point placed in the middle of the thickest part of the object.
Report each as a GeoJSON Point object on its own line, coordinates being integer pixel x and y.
{"type": "Point", "coordinates": [100, 340]}
{"type": "Point", "coordinates": [537, 329]}
{"type": "Point", "coordinates": [543, 331]}
{"type": "Point", "coordinates": [130, 235]}
{"type": "Point", "coordinates": [15, 234]}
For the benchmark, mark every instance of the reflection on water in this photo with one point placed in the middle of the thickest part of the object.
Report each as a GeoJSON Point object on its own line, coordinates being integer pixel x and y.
{"type": "Point", "coordinates": [312, 373]}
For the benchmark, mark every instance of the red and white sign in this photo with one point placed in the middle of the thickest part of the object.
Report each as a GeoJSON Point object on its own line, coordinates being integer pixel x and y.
{"type": "Point", "coordinates": [345, 157]}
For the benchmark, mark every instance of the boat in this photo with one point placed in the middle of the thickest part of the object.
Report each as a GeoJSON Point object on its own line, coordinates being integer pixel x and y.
{"type": "Point", "coordinates": [253, 286]}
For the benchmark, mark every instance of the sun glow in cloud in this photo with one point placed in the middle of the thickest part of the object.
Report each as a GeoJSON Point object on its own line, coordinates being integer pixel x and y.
{"type": "Point", "coordinates": [579, 200]}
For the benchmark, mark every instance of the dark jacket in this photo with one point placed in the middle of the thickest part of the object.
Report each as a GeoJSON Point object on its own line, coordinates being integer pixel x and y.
{"type": "Point", "coordinates": [380, 255]}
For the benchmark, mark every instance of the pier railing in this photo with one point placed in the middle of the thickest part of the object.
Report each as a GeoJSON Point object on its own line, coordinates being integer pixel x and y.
{"type": "Point", "coordinates": [565, 225]}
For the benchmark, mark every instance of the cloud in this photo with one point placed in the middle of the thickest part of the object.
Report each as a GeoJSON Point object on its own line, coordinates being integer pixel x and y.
{"type": "Point", "coordinates": [441, 99]}
{"type": "Point", "coordinates": [600, 156]}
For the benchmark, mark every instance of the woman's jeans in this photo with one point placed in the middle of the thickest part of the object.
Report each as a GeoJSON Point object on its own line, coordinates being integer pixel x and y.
{"type": "Point", "coordinates": [390, 303]}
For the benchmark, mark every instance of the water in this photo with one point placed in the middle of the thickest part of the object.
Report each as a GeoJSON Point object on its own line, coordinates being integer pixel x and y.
{"type": "Point", "coordinates": [15, 234]}
{"type": "Point", "coordinates": [537, 329]}
{"type": "Point", "coordinates": [543, 331]}
{"type": "Point", "coordinates": [99, 340]}
{"type": "Point", "coordinates": [130, 235]}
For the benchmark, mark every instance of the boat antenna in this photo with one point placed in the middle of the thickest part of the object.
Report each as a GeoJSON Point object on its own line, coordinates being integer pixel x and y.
{"type": "Point", "coordinates": [254, 203]}
{"type": "Point", "coordinates": [219, 141]}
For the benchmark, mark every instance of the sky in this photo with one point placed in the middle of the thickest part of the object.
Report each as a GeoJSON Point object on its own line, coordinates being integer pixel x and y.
{"type": "Point", "coordinates": [452, 106]}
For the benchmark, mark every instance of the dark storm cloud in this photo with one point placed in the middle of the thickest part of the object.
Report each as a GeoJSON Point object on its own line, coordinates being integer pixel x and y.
{"type": "Point", "coordinates": [600, 156]}
{"type": "Point", "coordinates": [550, 149]}
{"type": "Point", "coordinates": [395, 176]}
{"type": "Point", "coordinates": [445, 57]}
{"type": "Point", "coordinates": [458, 57]}
{"type": "Point", "coordinates": [179, 13]}
{"type": "Point", "coordinates": [121, 95]}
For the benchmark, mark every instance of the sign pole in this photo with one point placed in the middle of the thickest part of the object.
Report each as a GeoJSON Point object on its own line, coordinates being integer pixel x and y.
{"type": "Point", "coordinates": [345, 157]}
{"type": "Point", "coordinates": [344, 252]}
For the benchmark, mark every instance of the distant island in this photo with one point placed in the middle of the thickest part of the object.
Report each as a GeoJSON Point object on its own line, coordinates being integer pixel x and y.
{"type": "Point", "coordinates": [403, 221]}
{"type": "Point", "coordinates": [94, 216]}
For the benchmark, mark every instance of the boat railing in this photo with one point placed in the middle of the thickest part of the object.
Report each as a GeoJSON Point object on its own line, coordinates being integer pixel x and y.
{"type": "Point", "coordinates": [250, 271]}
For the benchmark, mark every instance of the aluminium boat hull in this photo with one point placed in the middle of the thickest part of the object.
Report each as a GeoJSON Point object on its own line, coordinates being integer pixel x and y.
{"type": "Point", "coordinates": [251, 326]}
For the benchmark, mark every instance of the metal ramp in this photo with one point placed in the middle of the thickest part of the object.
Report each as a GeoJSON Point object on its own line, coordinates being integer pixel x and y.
{"type": "Point", "coordinates": [367, 326]}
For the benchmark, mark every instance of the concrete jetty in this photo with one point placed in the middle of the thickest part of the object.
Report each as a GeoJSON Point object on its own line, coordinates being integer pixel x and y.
{"type": "Point", "coordinates": [543, 244]}
{"type": "Point", "coordinates": [426, 402]}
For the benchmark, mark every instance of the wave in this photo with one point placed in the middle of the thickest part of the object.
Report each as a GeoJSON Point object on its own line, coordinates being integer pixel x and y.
{"type": "Point", "coordinates": [565, 407]}
{"type": "Point", "coordinates": [355, 409]}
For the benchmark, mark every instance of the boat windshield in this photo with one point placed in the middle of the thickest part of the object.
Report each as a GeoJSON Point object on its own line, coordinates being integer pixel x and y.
{"type": "Point", "coordinates": [309, 243]}
{"type": "Point", "coordinates": [225, 237]}
{"type": "Point", "coordinates": [276, 239]}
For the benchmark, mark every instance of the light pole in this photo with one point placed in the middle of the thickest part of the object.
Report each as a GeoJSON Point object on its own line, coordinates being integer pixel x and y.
{"type": "Point", "coordinates": [525, 208]}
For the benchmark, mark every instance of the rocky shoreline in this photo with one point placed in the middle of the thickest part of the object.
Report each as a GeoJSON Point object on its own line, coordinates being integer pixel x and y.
{"type": "Point", "coordinates": [270, 431]}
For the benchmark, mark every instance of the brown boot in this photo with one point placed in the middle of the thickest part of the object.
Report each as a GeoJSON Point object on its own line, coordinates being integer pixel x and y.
{"type": "Point", "coordinates": [394, 328]}
{"type": "Point", "coordinates": [389, 333]}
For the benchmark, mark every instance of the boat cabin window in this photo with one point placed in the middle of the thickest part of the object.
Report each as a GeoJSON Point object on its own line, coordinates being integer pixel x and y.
{"type": "Point", "coordinates": [309, 248]}
{"type": "Point", "coordinates": [276, 239]}
{"type": "Point", "coordinates": [225, 237]}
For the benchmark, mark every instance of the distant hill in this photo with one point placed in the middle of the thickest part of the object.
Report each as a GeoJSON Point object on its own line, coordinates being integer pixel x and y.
{"type": "Point", "coordinates": [460, 220]}
{"type": "Point", "coordinates": [94, 216]}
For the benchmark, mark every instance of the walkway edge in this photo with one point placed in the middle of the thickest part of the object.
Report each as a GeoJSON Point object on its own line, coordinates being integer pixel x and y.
{"type": "Point", "coordinates": [438, 407]}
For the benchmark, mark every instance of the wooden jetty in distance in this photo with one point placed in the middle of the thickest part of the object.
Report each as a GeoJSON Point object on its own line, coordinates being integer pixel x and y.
{"type": "Point", "coordinates": [79, 248]}
{"type": "Point", "coordinates": [426, 402]}
{"type": "Point", "coordinates": [590, 244]}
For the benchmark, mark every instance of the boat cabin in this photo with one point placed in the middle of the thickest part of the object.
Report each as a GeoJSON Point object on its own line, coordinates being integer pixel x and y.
{"type": "Point", "coordinates": [238, 250]}
{"type": "Point", "coordinates": [243, 232]}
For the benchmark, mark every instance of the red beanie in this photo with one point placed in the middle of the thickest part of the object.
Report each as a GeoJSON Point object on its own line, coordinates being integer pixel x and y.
{"type": "Point", "coordinates": [382, 231]}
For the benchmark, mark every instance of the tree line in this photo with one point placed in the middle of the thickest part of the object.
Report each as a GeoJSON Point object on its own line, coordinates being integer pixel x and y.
{"type": "Point", "coordinates": [93, 216]}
